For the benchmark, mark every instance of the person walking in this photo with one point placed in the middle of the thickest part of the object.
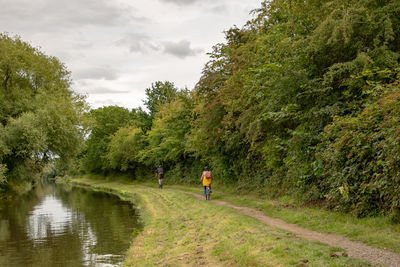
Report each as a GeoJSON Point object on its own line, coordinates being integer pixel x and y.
{"type": "Point", "coordinates": [160, 176]}
{"type": "Point", "coordinates": [206, 179]}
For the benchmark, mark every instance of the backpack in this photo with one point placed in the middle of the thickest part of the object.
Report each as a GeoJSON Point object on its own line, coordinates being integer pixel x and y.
{"type": "Point", "coordinates": [207, 174]}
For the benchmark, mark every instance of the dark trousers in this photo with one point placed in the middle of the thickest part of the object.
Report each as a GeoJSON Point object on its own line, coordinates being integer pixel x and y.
{"type": "Point", "coordinates": [205, 189]}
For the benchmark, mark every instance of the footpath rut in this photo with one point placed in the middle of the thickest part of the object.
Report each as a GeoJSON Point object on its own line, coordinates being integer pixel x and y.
{"type": "Point", "coordinates": [376, 256]}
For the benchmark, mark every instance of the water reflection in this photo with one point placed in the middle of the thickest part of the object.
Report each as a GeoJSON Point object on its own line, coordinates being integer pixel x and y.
{"type": "Point", "coordinates": [56, 226]}
{"type": "Point", "coordinates": [49, 217]}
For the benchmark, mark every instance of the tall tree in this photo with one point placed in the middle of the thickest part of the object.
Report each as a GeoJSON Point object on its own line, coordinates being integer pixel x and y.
{"type": "Point", "coordinates": [158, 94]}
{"type": "Point", "coordinates": [39, 113]}
{"type": "Point", "coordinates": [105, 122]}
{"type": "Point", "coordinates": [167, 138]}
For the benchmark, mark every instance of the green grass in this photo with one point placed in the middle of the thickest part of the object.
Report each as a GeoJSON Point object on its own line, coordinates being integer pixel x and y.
{"type": "Point", "coordinates": [180, 230]}
{"type": "Point", "coordinates": [375, 231]}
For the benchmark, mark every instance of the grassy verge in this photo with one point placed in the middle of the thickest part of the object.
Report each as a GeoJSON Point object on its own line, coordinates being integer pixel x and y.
{"type": "Point", "coordinates": [180, 230]}
{"type": "Point", "coordinates": [375, 231]}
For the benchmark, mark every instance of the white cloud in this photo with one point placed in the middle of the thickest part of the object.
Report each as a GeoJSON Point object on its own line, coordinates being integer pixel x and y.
{"type": "Point", "coordinates": [187, 2]}
{"type": "Point", "coordinates": [116, 49]}
{"type": "Point", "coordinates": [180, 49]}
{"type": "Point", "coordinates": [107, 102]}
{"type": "Point", "coordinates": [218, 9]}
{"type": "Point", "coordinates": [141, 43]}
{"type": "Point", "coordinates": [138, 42]}
{"type": "Point", "coordinates": [181, 2]}
{"type": "Point", "coordinates": [62, 15]}
{"type": "Point", "coordinates": [96, 73]}
{"type": "Point", "coordinates": [105, 90]}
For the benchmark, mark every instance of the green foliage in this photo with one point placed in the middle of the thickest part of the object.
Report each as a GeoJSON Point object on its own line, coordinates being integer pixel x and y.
{"type": "Point", "coordinates": [62, 123]}
{"type": "Point", "coordinates": [267, 94]}
{"type": "Point", "coordinates": [158, 94]}
{"type": "Point", "coordinates": [167, 138]}
{"type": "Point", "coordinates": [361, 157]}
{"type": "Point", "coordinates": [293, 102]}
{"type": "Point", "coordinates": [3, 177]}
{"type": "Point", "coordinates": [124, 147]}
{"type": "Point", "coordinates": [135, 142]}
{"type": "Point", "coordinates": [104, 123]}
{"type": "Point", "coordinates": [25, 72]}
{"type": "Point", "coordinates": [24, 137]}
{"type": "Point", "coordinates": [142, 119]}
{"type": "Point", "coordinates": [39, 113]}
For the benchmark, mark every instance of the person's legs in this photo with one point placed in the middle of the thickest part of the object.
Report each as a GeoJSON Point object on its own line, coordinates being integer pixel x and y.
{"type": "Point", "coordinates": [205, 191]}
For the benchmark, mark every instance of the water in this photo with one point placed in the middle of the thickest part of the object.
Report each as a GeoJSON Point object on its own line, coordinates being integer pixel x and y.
{"type": "Point", "coordinates": [61, 226]}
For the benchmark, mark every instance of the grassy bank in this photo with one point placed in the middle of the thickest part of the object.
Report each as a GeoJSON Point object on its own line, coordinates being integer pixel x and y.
{"type": "Point", "coordinates": [378, 232]}
{"type": "Point", "coordinates": [180, 230]}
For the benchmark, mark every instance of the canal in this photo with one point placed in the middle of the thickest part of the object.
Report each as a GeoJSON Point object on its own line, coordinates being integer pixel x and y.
{"type": "Point", "coordinates": [60, 225]}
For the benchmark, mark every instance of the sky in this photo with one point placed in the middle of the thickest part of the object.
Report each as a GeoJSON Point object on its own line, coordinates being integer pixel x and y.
{"type": "Point", "coordinates": [116, 49]}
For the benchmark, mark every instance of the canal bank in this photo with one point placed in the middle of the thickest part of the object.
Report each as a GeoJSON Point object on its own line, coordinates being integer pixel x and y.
{"type": "Point", "coordinates": [181, 230]}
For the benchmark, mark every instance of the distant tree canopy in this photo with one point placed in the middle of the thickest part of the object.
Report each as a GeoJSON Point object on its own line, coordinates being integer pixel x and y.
{"type": "Point", "coordinates": [118, 136]}
{"type": "Point", "coordinates": [158, 94]}
{"type": "Point", "coordinates": [105, 122]}
{"type": "Point", "coordinates": [39, 113]}
{"type": "Point", "coordinates": [301, 100]}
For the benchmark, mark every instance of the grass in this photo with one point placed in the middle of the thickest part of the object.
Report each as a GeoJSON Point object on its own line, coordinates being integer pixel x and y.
{"type": "Point", "coordinates": [379, 232]}
{"type": "Point", "coordinates": [375, 231]}
{"type": "Point", "coordinates": [180, 230]}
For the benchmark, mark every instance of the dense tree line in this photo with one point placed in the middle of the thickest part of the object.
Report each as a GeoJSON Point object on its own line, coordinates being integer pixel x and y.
{"type": "Point", "coordinates": [40, 116]}
{"type": "Point", "coordinates": [302, 100]}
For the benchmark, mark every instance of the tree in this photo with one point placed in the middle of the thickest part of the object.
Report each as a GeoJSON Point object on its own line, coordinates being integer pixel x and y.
{"type": "Point", "coordinates": [39, 113]}
{"type": "Point", "coordinates": [167, 138]}
{"type": "Point", "coordinates": [289, 84]}
{"type": "Point", "coordinates": [105, 122]}
{"type": "Point", "coordinates": [158, 94]}
{"type": "Point", "coordinates": [125, 146]}
{"type": "Point", "coordinates": [266, 95]}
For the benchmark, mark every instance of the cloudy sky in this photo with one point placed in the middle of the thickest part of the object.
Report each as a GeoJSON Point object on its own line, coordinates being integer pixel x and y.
{"type": "Point", "coordinates": [117, 48]}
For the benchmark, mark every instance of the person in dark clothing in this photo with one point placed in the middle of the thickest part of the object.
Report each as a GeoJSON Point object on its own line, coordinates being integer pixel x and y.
{"type": "Point", "coordinates": [160, 176]}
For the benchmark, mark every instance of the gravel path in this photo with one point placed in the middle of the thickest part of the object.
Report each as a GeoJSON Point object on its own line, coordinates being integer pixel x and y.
{"type": "Point", "coordinates": [354, 249]}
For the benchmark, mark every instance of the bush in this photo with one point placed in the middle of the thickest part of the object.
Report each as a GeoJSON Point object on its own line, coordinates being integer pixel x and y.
{"type": "Point", "coordinates": [361, 157]}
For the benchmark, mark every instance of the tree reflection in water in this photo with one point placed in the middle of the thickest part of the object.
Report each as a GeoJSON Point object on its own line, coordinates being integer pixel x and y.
{"type": "Point", "coordinates": [57, 226]}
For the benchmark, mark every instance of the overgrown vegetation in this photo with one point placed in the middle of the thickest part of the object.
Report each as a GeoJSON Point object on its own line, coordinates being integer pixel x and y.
{"type": "Point", "coordinates": [40, 115]}
{"type": "Point", "coordinates": [302, 100]}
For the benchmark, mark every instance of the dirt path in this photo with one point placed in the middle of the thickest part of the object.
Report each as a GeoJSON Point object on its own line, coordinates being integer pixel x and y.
{"type": "Point", "coordinates": [376, 256]}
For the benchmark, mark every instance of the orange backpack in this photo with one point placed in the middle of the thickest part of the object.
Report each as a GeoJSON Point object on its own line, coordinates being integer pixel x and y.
{"type": "Point", "coordinates": [207, 174]}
